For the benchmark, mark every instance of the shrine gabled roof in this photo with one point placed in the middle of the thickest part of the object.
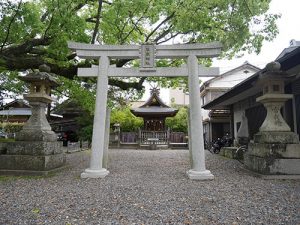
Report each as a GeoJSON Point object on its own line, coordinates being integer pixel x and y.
{"type": "Point", "coordinates": [154, 100]}
{"type": "Point", "coordinates": [154, 106]}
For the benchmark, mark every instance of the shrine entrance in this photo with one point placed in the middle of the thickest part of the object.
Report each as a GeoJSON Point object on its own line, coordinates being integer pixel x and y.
{"type": "Point", "coordinates": [147, 53]}
{"type": "Point", "coordinates": [154, 112]}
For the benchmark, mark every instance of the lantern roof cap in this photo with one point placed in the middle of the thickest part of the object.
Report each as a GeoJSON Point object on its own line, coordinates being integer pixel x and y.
{"type": "Point", "coordinates": [41, 76]}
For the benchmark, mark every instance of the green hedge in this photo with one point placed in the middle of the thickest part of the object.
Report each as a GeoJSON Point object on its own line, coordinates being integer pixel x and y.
{"type": "Point", "coordinates": [179, 122]}
{"type": "Point", "coordinates": [127, 121]}
{"type": "Point", "coordinates": [12, 127]}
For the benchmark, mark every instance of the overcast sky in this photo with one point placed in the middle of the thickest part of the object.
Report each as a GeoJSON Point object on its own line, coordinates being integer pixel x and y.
{"type": "Point", "coordinates": [289, 28]}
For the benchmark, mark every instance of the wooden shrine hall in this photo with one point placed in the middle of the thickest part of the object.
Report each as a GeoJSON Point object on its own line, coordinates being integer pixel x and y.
{"type": "Point", "coordinates": [154, 131]}
{"type": "Point", "coordinates": [154, 112]}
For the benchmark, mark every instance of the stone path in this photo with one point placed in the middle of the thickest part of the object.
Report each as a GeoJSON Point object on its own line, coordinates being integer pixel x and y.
{"type": "Point", "coordinates": [149, 187]}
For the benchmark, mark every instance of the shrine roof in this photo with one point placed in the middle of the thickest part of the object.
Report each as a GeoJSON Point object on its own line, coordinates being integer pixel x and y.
{"type": "Point", "coordinates": [154, 106]}
{"type": "Point", "coordinates": [154, 110]}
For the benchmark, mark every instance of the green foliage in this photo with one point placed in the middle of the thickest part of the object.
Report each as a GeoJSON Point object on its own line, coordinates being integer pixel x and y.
{"type": "Point", "coordinates": [82, 92]}
{"type": "Point", "coordinates": [127, 121]}
{"type": "Point", "coordinates": [36, 211]}
{"type": "Point", "coordinates": [10, 85]}
{"type": "Point", "coordinates": [180, 121]}
{"type": "Point", "coordinates": [122, 116]}
{"type": "Point", "coordinates": [85, 122]}
{"type": "Point", "coordinates": [36, 32]}
{"type": "Point", "coordinates": [86, 133]}
{"type": "Point", "coordinates": [12, 127]}
{"type": "Point", "coordinates": [7, 140]}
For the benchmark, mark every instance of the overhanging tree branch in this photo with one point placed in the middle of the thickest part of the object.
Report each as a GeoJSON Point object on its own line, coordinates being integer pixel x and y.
{"type": "Point", "coordinates": [135, 26]}
{"type": "Point", "coordinates": [26, 46]}
{"type": "Point", "coordinates": [127, 85]}
{"type": "Point", "coordinates": [9, 25]}
{"type": "Point", "coordinates": [97, 22]}
{"type": "Point", "coordinates": [159, 25]}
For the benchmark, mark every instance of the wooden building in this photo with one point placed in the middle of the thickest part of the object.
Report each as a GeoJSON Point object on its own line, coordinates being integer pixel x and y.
{"type": "Point", "coordinates": [154, 112]}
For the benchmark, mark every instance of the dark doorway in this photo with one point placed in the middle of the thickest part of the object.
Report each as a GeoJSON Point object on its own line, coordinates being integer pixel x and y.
{"type": "Point", "coordinates": [297, 104]}
{"type": "Point", "coordinates": [219, 130]}
{"type": "Point", "coordinates": [256, 117]}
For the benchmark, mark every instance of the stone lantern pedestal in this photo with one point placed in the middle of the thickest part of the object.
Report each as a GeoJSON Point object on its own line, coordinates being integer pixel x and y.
{"type": "Point", "coordinates": [276, 149]}
{"type": "Point", "coordinates": [36, 149]}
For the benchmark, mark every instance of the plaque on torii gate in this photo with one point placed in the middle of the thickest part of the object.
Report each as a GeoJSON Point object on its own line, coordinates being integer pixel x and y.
{"type": "Point", "coordinates": [147, 53]}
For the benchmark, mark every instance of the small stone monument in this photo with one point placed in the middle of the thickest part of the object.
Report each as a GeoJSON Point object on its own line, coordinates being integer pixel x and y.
{"type": "Point", "coordinates": [36, 150]}
{"type": "Point", "coordinates": [276, 149]}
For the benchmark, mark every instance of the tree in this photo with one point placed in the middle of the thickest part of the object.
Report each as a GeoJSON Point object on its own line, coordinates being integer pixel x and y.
{"type": "Point", "coordinates": [36, 32]}
{"type": "Point", "coordinates": [180, 121]}
{"type": "Point", "coordinates": [127, 121]}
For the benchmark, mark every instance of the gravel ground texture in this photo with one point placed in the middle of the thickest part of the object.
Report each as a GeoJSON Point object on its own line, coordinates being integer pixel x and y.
{"type": "Point", "coordinates": [149, 187]}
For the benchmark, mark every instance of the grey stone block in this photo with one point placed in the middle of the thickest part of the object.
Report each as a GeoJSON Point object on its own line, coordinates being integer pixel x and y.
{"type": "Point", "coordinates": [33, 148]}
{"type": "Point", "coordinates": [272, 166]}
{"type": "Point", "coordinates": [229, 152]}
{"type": "Point", "coordinates": [276, 137]}
{"type": "Point", "coordinates": [277, 150]}
{"type": "Point", "coordinates": [3, 148]}
{"type": "Point", "coordinates": [29, 162]}
{"type": "Point", "coordinates": [36, 135]}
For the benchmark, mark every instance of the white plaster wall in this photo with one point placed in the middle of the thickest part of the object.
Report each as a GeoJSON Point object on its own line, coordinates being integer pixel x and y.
{"type": "Point", "coordinates": [239, 108]}
{"type": "Point", "coordinates": [207, 97]}
{"type": "Point", "coordinates": [205, 114]}
{"type": "Point", "coordinates": [237, 116]}
{"type": "Point", "coordinates": [179, 96]}
{"type": "Point", "coordinates": [231, 80]}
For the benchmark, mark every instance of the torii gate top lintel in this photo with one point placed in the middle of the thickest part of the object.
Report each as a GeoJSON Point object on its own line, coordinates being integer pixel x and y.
{"type": "Point", "coordinates": [92, 51]}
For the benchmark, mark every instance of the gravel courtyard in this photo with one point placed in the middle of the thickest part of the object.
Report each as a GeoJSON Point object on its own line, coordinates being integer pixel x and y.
{"type": "Point", "coordinates": [149, 187]}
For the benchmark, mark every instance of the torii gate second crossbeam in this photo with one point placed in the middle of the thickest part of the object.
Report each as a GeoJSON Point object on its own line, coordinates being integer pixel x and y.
{"type": "Point", "coordinates": [148, 53]}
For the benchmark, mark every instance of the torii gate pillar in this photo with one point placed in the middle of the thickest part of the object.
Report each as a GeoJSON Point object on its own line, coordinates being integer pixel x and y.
{"type": "Point", "coordinates": [198, 170]}
{"type": "Point", "coordinates": [96, 169]}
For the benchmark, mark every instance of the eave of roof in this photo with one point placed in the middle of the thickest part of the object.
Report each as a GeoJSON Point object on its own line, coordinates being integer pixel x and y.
{"type": "Point", "coordinates": [154, 110]}
{"type": "Point", "coordinates": [16, 112]}
{"type": "Point", "coordinates": [288, 62]}
{"type": "Point", "coordinates": [243, 66]}
{"type": "Point", "coordinates": [22, 112]}
{"type": "Point", "coordinates": [21, 102]}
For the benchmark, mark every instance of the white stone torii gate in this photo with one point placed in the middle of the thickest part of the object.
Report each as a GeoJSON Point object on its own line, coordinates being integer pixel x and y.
{"type": "Point", "coordinates": [148, 53]}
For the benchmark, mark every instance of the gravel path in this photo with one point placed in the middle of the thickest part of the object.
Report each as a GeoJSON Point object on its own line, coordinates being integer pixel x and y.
{"type": "Point", "coordinates": [149, 187]}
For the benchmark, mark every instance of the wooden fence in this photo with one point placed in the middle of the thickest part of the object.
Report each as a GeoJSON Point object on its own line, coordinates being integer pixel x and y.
{"type": "Point", "coordinates": [160, 136]}
{"type": "Point", "coordinates": [146, 138]}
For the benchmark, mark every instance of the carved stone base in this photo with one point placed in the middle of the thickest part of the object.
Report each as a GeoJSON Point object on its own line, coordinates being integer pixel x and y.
{"type": "Point", "coordinates": [273, 158]}
{"type": "Point", "coordinates": [31, 163]}
{"type": "Point", "coordinates": [274, 150]}
{"type": "Point", "coordinates": [200, 175]}
{"type": "Point", "coordinates": [276, 137]}
{"type": "Point", "coordinates": [90, 173]}
{"type": "Point", "coordinates": [36, 135]}
{"type": "Point", "coordinates": [38, 148]}
{"type": "Point", "coordinates": [272, 166]}
{"type": "Point", "coordinates": [33, 157]}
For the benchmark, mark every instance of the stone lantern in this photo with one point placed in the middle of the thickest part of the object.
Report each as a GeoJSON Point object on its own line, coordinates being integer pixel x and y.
{"type": "Point", "coordinates": [274, 128]}
{"type": "Point", "coordinates": [276, 148]}
{"type": "Point", "coordinates": [36, 150]}
{"type": "Point", "coordinates": [37, 127]}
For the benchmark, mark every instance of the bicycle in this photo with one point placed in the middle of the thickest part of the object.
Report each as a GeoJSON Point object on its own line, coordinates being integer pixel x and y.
{"type": "Point", "coordinates": [239, 153]}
